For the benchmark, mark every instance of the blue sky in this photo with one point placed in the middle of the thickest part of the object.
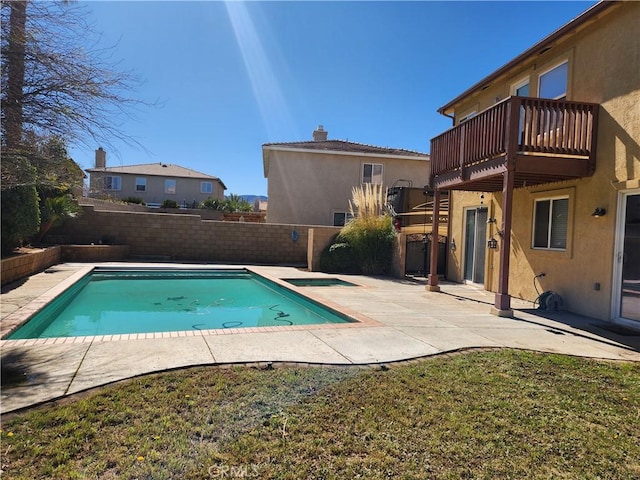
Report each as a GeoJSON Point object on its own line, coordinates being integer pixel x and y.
{"type": "Point", "coordinates": [231, 76]}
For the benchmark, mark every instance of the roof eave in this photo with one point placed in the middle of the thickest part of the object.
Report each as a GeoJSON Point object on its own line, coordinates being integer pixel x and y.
{"type": "Point", "coordinates": [283, 147]}
{"type": "Point", "coordinates": [534, 50]}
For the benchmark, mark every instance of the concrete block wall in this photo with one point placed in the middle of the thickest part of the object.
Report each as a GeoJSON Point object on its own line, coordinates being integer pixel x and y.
{"type": "Point", "coordinates": [20, 266]}
{"type": "Point", "coordinates": [181, 237]}
{"type": "Point", "coordinates": [187, 237]}
{"type": "Point", "coordinates": [94, 253]}
{"type": "Point", "coordinates": [318, 239]}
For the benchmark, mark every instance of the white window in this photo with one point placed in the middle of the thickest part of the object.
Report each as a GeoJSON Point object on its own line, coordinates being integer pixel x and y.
{"type": "Point", "coordinates": [553, 83]}
{"type": "Point", "coordinates": [112, 183]}
{"type": "Point", "coordinates": [341, 218]}
{"type": "Point", "coordinates": [467, 116]}
{"type": "Point", "coordinates": [551, 223]}
{"type": "Point", "coordinates": [141, 184]}
{"type": "Point", "coordinates": [170, 186]}
{"type": "Point", "coordinates": [521, 88]}
{"type": "Point", "coordinates": [206, 187]}
{"type": "Point", "coordinates": [372, 173]}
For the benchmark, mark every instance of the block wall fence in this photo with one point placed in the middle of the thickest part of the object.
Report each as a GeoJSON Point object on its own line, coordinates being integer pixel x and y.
{"type": "Point", "coordinates": [180, 237]}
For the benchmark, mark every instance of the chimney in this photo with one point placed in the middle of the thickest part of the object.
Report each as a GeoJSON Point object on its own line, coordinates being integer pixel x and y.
{"type": "Point", "coordinates": [319, 135]}
{"type": "Point", "coordinates": [101, 158]}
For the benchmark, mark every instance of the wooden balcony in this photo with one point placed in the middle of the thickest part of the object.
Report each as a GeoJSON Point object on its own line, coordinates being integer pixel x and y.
{"type": "Point", "coordinates": [539, 140]}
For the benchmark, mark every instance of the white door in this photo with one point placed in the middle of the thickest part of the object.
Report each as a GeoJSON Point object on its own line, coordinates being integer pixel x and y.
{"type": "Point", "coordinates": [626, 285]}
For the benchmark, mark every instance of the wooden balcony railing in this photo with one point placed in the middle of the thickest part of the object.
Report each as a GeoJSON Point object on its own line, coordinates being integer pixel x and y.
{"type": "Point", "coordinates": [516, 127]}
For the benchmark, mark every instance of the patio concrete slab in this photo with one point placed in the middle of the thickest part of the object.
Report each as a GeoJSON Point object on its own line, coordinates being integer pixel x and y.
{"type": "Point", "coordinates": [410, 322]}
{"type": "Point", "coordinates": [31, 375]}
{"type": "Point", "coordinates": [107, 362]}
{"type": "Point", "coordinates": [284, 346]}
{"type": "Point", "coordinates": [375, 345]}
{"type": "Point", "coordinates": [410, 319]}
{"type": "Point", "coordinates": [451, 338]}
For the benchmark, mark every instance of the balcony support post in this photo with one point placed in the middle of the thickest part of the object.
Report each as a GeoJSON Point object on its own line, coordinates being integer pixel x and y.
{"type": "Point", "coordinates": [432, 279]}
{"type": "Point", "coordinates": [502, 306]}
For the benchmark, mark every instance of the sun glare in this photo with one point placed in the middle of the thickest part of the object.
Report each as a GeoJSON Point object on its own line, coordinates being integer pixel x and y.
{"type": "Point", "coordinates": [264, 82]}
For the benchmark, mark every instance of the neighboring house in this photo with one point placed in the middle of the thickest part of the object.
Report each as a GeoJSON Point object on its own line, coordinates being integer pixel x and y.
{"type": "Point", "coordinates": [153, 183]}
{"type": "Point", "coordinates": [310, 183]}
{"type": "Point", "coordinates": [543, 169]}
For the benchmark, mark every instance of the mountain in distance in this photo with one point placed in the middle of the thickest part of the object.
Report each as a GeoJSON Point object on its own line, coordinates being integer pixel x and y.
{"type": "Point", "coordinates": [253, 198]}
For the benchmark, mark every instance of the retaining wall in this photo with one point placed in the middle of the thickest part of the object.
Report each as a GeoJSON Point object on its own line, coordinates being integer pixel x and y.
{"type": "Point", "coordinates": [23, 265]}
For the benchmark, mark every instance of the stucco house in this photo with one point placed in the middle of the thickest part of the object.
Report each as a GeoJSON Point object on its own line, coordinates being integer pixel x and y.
{"type": "Point", "coordinates": [152, 182]}
{"type": "Point", "coordinates": [310, 182]}
{"type": "Point", "coordinates": [543, 170]}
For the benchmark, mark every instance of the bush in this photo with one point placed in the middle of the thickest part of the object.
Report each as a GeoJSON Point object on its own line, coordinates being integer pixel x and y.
{"type": "Point", "coordinates": [169, 204]}
{"type": "Point", "coordinates": [338, 257]}
{"type": "Point", "coordinates": [372, 242]}
{"type": "Point", "coordinates": [54, 210]}
{"type": "Point", "coordinates": [365, 243]}
{"type": "Point", "coordinates": [211, 204]}
{"type": "Point", "coordinates": [20, 216]}
{"type": "Point", "coordinates": [135, 200]}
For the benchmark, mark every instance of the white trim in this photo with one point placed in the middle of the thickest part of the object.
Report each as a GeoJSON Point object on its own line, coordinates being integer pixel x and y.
{"type": "Point", "coordinates": [553, 67]}
{"type": "Point", "coordinates": [616, 284]}
{"type": "Point", "coordinates": [202, 182]}
{"type": "Point", "coordinates": [533, 221]}
{"type": "Point", "coordinates": [142, 184]}
{"type": "Point", "coordinates": [424, 157]}
{"type": "Point", "coordinates": [467, 116]}
{"type": "Point", "coordinates": [373, 165]}
{"type": "Point", "coordinates": [519, 84]}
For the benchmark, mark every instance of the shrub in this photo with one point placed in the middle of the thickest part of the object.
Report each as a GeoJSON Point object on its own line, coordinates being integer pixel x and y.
{"type": "Point", "coordinates": [211, 204]}
{"type": "Point", "coordinates": [169, 204]}
{"type": "Point", "coordinates": [54, 210]}
{"type": "Point", "coordinates": [135, 200]}
{"type": "Point", "coordinates": [20, 216]}
{"type": "Point", "coordinates": [372, 242]}
{"type": "Point", "coordinates": [338, 257]}
{"type": "Point", "coordinates": [365, 243]}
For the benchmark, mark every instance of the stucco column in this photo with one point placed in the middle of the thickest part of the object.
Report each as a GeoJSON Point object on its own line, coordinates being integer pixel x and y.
{"type": "Point", "coordinates": [502, 304]}
{"type": "Point", "coordinates": [432, 281]}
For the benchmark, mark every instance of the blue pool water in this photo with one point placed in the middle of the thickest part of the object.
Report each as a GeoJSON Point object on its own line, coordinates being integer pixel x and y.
{"type": "Point", "coordinates": [122, 302]}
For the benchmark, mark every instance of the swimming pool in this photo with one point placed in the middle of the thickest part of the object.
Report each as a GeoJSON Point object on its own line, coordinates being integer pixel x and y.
{"type": "Point", "coordinates": [110, 302]}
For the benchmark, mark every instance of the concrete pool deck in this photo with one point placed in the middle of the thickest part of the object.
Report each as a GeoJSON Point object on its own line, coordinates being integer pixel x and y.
{"type": "Point", "coordinates": [402, 321]}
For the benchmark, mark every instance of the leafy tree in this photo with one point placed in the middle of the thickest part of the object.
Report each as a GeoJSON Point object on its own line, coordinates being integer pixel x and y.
{"type": "Point", "coordinates": [20, 216]}
{"type": "Point", "coordinates": [58, 88]}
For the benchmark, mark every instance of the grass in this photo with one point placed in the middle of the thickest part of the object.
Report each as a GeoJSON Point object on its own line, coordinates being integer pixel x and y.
{"type": "Point", "coordinates": [495, 414]}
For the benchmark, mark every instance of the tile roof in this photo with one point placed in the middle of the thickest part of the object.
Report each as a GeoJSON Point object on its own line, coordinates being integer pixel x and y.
{"type": "Point", "coordinates": [345, 146]}
{"type": "Point", "coordinates": [157, 169]}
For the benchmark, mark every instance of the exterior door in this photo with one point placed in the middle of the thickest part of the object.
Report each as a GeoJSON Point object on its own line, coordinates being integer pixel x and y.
{"type": "Point", "coordinates": [475, 243]}
{"type": "Point", "coordinates": [626, 293]}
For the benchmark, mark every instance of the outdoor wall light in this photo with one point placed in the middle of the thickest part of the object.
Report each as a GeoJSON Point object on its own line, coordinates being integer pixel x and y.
{"type": "Point", "coordinates": [453, 244]}
{"type": "Point", "coordinates": [492, 220]}
{"type": "Point", "coordinates": [492, 243]}
{"type": "Point", "coordinates": [599, 212]}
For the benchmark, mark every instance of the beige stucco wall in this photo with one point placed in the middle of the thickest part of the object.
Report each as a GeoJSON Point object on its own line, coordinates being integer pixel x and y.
{"type": "Point", "coordinates": [187, 189]}
{"type": "Point", "coordinates": [604, 68]}
{"type": "Point", "coordinates": [308, 187]}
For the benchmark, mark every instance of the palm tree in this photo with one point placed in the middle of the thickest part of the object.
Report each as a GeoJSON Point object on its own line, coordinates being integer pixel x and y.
{"type": "Point", "coordinates": [53, 210]}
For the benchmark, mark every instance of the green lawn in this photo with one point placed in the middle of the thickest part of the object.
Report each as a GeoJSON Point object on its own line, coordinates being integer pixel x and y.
{"type": "Point", "coordinates": [492, 414]}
